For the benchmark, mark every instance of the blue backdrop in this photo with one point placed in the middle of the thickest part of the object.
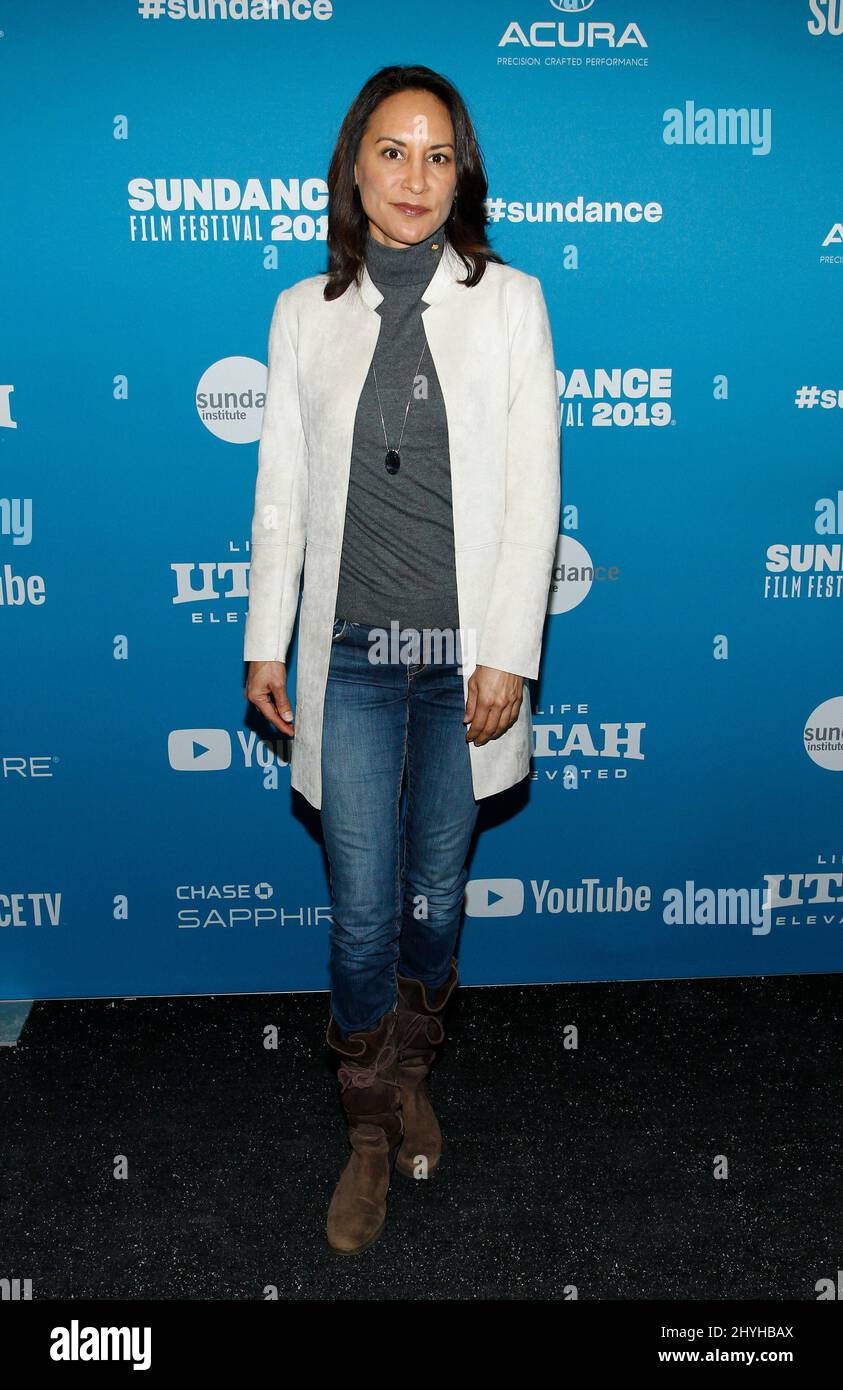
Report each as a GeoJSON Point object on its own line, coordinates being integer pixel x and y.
{"type": "Point", "coordinates": [672, 175]}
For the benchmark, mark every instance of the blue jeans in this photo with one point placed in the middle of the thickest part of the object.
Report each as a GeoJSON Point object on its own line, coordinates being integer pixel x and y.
{"type": "Point", "coordinates": [397, 889]}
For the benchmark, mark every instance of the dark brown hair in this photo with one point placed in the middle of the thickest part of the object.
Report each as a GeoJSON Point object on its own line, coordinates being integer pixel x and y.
{"type": "Point", "coordinates": [465, 225]}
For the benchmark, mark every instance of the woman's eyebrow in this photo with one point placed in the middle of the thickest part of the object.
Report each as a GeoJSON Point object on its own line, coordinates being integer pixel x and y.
{"type": "Point", "coordinates": [442, 145]}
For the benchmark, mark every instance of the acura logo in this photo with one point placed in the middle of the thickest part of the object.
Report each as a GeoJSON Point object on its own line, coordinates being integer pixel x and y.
{"type": "Point", "coordinates": [572, 6]}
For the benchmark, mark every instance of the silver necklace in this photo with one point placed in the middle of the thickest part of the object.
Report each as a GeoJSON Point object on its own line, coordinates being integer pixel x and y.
{"type": "Point", "coordinates": [392, 459]}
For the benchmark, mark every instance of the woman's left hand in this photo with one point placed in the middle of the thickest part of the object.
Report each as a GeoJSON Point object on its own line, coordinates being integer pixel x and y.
{"type": "Point", "coordinates": [493, 703]}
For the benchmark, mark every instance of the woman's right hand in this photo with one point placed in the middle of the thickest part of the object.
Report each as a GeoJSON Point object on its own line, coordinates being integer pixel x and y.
{"type": "Point", "coordinates": [266, 689]}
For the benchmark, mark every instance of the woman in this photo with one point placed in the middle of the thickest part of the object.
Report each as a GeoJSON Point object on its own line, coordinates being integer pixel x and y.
{"type": "Point", "coordinates": [410, 446]}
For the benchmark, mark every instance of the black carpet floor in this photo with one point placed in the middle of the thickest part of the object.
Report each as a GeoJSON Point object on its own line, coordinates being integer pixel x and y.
{"type": "Point", "coordinates": [588, 1168]}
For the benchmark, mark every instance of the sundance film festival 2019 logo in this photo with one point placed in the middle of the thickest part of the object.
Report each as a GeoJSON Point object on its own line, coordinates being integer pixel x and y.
{"type": "Point", "coordinates": [616, 397]}
{"type": "Point", "coordinates": [809, 569]}
{"type": "Point", "coordinates": [219, 209]}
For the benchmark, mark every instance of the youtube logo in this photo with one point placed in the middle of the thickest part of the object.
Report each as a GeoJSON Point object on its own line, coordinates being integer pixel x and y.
{"type": "Point", "coordinates": [494, 897]}
{"type": "Point", "coordinates": [199, 750]}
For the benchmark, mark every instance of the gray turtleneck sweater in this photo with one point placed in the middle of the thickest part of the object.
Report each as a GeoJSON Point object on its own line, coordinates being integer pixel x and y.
{"type": "Point", "coordinates": [398, 545]}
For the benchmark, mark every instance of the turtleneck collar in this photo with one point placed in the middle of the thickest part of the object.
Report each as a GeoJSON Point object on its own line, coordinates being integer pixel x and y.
{"type": "Point", "coordinates": [404, 265]}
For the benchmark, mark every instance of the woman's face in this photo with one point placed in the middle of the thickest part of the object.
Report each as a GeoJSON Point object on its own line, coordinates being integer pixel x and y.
{"type": "Point", "coordinates": [406, 168]}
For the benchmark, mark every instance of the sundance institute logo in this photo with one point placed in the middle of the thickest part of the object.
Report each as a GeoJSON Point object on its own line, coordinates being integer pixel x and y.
{"type": "Point", "coordinates": [230, 398]}
{"type": "Point", "coordinates": [823, 734]}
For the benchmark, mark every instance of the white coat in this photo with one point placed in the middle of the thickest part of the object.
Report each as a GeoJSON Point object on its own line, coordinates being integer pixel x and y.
{"type": "Point", "coordinates": [493, 353]}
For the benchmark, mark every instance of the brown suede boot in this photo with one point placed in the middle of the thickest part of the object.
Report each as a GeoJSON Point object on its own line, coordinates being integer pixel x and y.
{"type": "Point", "coordinates": [419, 1033]}
{"type": "Point", "coordinates": [371, 1098]}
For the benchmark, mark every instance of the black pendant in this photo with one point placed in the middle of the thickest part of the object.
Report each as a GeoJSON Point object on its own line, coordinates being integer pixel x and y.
{"type": "Point", "coordinates": [392, 460]}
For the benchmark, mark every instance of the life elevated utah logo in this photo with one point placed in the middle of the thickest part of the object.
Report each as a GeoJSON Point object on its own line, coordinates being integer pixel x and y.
{"type": "Point", "coordinates": [207, 591]}
{"type": "Point", "coordinates": [570, 744]}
